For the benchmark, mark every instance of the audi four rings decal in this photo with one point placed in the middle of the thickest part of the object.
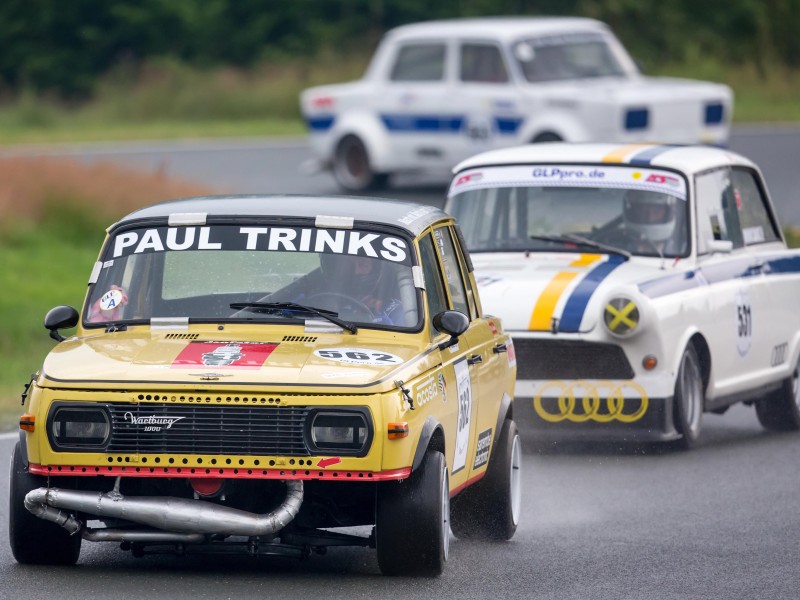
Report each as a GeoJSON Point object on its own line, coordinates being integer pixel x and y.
{"type": "Point", "coordinates": [582, 401]}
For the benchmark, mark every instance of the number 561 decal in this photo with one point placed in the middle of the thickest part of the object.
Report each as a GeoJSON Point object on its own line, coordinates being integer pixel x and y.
{"type": "Point", "coordinates": [358, 356]}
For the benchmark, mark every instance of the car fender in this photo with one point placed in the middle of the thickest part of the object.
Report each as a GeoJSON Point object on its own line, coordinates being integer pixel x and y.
{"type": "Point", "coordinates": [563, 124]}
{"type": "Point", "coordinates": [365, 125]}
{"type": "Point", "coordinates": [504, 412]}
{"type": "Point", "coordinates": [682, 342]}
{"type": "Point", "coordinates": [429, 428]}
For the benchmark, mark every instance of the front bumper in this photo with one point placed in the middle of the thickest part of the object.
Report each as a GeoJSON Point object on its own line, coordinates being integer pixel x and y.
{"type": "Point", "coordinates": [596, 419]}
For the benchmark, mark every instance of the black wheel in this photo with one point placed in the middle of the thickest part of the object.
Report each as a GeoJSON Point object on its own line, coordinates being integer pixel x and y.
{"type": "Point", "coordinates": [352, 169]}
{"type": "Point", "coordinates": [490, 509]}
{"type": "Point", "coordinates": [780, 410]}
{"type": "Point", "coordinates": [546, 136]}
{"type": "Point", "coordinates": [412, 520]}
{"type": "Point", "coordinates": [688, 401]}
{"type": "Point", "coordinates": [33, 540]}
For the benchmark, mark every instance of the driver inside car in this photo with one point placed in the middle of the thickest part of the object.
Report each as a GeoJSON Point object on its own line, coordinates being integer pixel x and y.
{"type": "Point", "coordinates": [649, 225]}
{"type": "Point", "coordinates": [358, 288]}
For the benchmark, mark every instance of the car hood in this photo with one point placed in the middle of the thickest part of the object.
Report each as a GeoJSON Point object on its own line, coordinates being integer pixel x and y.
{"type": "Point", "coordinates": [140, 357]}
{"type": "Point", "coordinates": [563, 292]}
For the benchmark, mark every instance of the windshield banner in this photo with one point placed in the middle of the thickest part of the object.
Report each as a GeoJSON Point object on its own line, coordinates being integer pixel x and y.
{"type": "Point", "coordinates": [276, 239]}
{"type": "Point", "coordinates": [617, 177]}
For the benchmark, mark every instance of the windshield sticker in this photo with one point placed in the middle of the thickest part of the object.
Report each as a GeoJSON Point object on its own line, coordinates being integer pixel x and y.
{"type": "Point", "coordinates": [616, 177]}
{"type": "Point", "coordinates": [111, 300]}
{"type": "Point", "coordinates": [241, 355]}
{"type": "Point", "coordinates": [281, 239]}
{"type": "Point", "coordinates": [358, 356]}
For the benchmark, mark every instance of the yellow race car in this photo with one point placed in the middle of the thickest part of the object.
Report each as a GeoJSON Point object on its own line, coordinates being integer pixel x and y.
{"type": "Point", "coordinates": [256, 373]}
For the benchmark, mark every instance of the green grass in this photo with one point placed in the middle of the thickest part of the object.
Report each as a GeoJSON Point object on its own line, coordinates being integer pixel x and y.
{"type": "Point", "coordinates": [43, 265]}
{"type": "Point", "coordinates": [166, 99]}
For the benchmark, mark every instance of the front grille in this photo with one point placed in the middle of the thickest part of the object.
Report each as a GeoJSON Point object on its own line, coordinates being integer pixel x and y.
{"type": "Point", "coordinates": [156, 428]}
{"type": "Point", "coordinates": [570, 359]}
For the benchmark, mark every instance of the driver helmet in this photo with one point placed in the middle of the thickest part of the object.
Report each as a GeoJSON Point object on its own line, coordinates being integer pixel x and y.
{"type": "Point", "coordinates": [357, 276]}
{"type": "Point", "coordinates": [652, 214]}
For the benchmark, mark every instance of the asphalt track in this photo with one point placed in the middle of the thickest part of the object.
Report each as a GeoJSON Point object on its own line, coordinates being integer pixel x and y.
{"type": "Point", "coordinates": [599, 521]}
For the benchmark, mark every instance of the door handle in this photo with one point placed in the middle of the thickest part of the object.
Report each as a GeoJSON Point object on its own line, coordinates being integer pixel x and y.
{"type": "Point", "coordinates": [475, 358]}
{"type": "Point", "coordinates": [500, 348]}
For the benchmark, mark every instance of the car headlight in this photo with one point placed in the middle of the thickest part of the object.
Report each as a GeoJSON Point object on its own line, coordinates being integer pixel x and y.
{"type": "Point", "coordinates": [621, 316]}
{"type": "Point", "coordinates": [78, 426]}
{"type": "Point", "coordinates": [340, 432]}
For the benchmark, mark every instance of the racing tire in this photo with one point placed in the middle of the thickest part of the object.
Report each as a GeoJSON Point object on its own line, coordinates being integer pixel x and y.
{"type": "Point", "coordinates": [412, 521]}
{"type": "Point", "coordinates": [351, 167]}
{"type": "Point", "coordinates": [546, 136]}
{"type": "Point", "coordinates": [490, 509]}
{"type": "Point", "coordinates": [780, 410]}
{"type": "Point", "coordinates": [33, 540]}
{"type": "Point", "coordinates": [689, 400]}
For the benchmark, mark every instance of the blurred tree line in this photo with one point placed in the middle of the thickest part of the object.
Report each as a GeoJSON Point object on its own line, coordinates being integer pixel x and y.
{"type": "Point", "coordinates": [62, 47]}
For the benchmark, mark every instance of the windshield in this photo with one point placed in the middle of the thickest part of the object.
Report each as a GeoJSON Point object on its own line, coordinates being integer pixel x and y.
{"type": "Point", "coordinates": [568, 208]}
{"type": "Point", "coordinates": [258, 273]}
{"type": "Point", "coordinates": [574, 56]}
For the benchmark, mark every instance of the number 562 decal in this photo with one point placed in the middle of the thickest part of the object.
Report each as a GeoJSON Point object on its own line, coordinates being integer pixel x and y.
{"type": "Point", "coordinates": [358, 356]}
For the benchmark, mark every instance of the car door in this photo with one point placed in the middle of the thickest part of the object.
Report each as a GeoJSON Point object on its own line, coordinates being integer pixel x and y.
{"type": "Point", "coordinates": [493, 114]}
{"type": "Point", "coordinates": [737, 321]}
{"type": "Point", "coordinates": [419, 107]}
{"type": "Point", "coordinates": [482, 366]}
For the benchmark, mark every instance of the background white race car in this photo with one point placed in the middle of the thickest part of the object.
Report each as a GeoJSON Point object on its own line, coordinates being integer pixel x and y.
{"type": "Point", "coordinates": [643, 285]}
{"type": "Point", "coordinates": [438, 92]}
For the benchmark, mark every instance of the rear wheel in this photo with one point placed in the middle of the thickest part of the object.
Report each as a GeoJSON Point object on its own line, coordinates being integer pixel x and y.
{"type": "Point", "coordinates": [688, 399]}
{"type": "Point", "coordinates": [352, 169]}
{"type": "Point", "coordinates": [413, 520]}
{"type": "Point", "coordinates": [546, 136]}
{"type": "Point", "coordinates": [780, 410]}
{"type": "Point", "coordinates": [33, 540]}
{"type": "Point", "coordinates": [490, 509]}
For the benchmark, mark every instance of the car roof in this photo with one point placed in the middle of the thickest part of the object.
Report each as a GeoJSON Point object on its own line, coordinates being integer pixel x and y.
{"type": "Point", "coordinates": [687, 159]}
{"type": "Point", "coordinates": [505, 28]}
{"type": "Point", "coordinates": [412, 217]}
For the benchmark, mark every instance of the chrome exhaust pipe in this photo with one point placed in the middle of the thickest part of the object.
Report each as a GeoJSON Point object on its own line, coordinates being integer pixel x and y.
{"type": "Point", "coordinates": [145, 537]}
{"type": "Point", "coordinates": [165, 513]}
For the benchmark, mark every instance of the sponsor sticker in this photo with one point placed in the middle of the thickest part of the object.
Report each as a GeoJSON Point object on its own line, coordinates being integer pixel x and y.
{"type": "Point", "coordinates": [511, 353]}
{"type": "Point", "coordinates": [358, 356]}
{"type": "Point", "coordinates": [426, 391]}
{"type": "Point", "coordinates": [482, 448]}
{"type": "Point", "coordinates": [111, 300]}
{"type": "Point", "coordinates": [464, 390]}
{"type": "Point", "coordinates": [443, 387]}
{"type": "Point", "coordinates": [241, 355]}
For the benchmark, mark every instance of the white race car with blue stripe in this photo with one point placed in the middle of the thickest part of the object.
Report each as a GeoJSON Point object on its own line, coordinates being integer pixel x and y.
{"type": "Point", "coordinates": [643, 285]}
{"type": "Point", "coordinates": [438, 92]}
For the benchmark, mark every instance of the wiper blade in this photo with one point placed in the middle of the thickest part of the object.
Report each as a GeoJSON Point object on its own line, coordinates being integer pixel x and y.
{"type": "Point", "coordinates": [278, 306]}
{"type": "Point", "coordinates": [571, 238]}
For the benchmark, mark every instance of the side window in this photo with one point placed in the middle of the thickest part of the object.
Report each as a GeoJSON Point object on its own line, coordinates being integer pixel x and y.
{"type": "Point", "coordinates": [482, 63]}
{"type": "Point", "coordinates": [757, 226]}
{"type": "Point", "coordinates": [717, 213]}
{"type": "Point", "coordinates": [419, 62]}
{"type": "Point", "coordinates": [452, 269]}
{"type": "Point", "coordinates": [434, 286]}
{"type": "Point", "coordinates": [462, 250]}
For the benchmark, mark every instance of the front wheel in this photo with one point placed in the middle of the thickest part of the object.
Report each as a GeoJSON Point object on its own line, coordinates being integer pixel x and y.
{"type": "Point", "coordinates": [688, 399]}
{"type": "Point", "coordinates": [780, 410]}
{"type": "Point", "coordinates": [33, 540]}
{"type": "Point", "coordinates": [490, 509]}
{"type": "Point", "coordinates": [352, 169]}
{"type": "Point", "coordinates": [413, 520]}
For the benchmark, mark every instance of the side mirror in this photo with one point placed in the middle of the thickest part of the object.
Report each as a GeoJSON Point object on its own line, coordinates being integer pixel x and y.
{"type": "Point", "coordinates": [60, 317]}
{"type": "Point", "coordinates": [453, 323]}
{"type": "Point", "coordinates": [721, 246]}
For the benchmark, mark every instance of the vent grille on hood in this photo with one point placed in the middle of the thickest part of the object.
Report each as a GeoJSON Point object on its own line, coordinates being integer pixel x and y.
{"type": "Point", "coordinates": [299, 338]}
{"type": "Point", "coordinates": [182, 336]}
